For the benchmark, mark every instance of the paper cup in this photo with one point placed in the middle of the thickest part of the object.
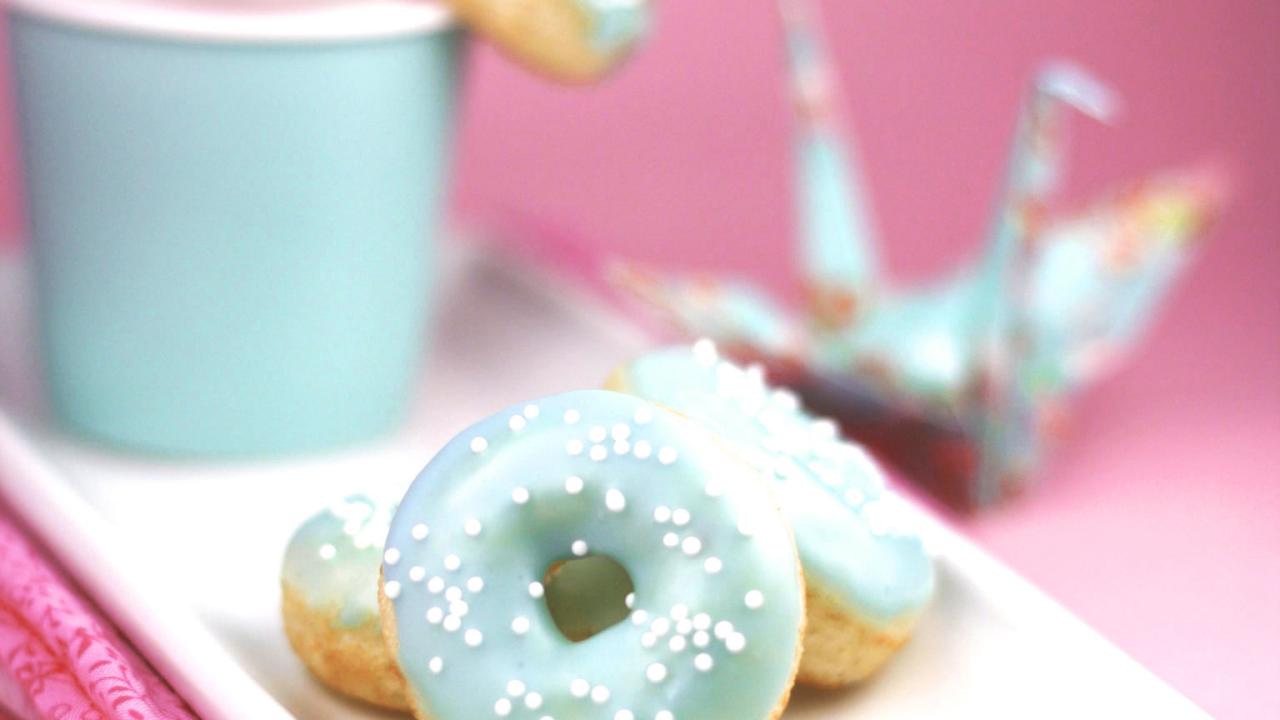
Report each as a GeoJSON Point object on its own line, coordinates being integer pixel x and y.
{"type": "Point", "coordinates": [233, 215]}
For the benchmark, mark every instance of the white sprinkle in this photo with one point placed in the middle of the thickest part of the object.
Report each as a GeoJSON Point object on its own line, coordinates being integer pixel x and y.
{"type": "Point", "coordinates": [535, 589]}
{"type": "Point", "coordinates": [648, 640]}
{"type": "Point", "coordinates": [453, 594]}
{"type": "Point", "coordinates": [599, 694]}
{"type": "Point", "coordinates": [785, 399]}
{"type": "Point", "coordinates": [435, 665]}
{"type": "Point", "coordinates": [714, 488]}
{"type": "Point", "coordinates": [661, 626]}
{"type": "Point", "coordinates": [624, 715]}
{"type": "Point", "coordinates": [684, 626]}
{"type": "Point", "coordinates": [691, 546]}
{"type": "Point", "coordinates": [328, 552]}
{"type": "Point", "coordinates": [391, 556]}
{"type": "Point", "coordinates": [680, 517]}
{"type": "Point", "coordinates": [677, 643]}
{"type": "Point", "coordinates": [735, 643]}
{"type": "Point", "coordinates": [642, 450]}
{"type": "Point", "coordinates": [452, 623]}
{"type": "Point", "coordinates": [475, 584]}
{"type": "Point", "coordinates": [573, 447]}
{"type": "Point", "coordinates": [631, 600]}
{"type": "Point", "coordinates": [644, 415]}
{"type": "Point", "coordinates": [533, 700]}
{"type": "Point", "coordinates": [435, 585]}
{"type": "Point", "coordinates": [679, 611]}
{"type": "Point", "coordinates": [712, 565]}
{"type": "Point", "coordinates": [599, 453]}
{"type": "Point", "coordinates": [579, 547]}
{"type": "Point", "coordinates": [723, 629]}
{"type": "Point", "coordinates": [701, 621]}
{"type": "Point", "coordinates": [531, 411]}
{"type": "Point", "coordinates": [667, 455]}
{"type": "Point", "coordinates": [520, 495]}
{"type": "Point", "coordinates": [656, 672]}
{"type": "Point", "coordinates": [664, 715]}
{"type": "Point", "coordinates": [459, 608]}
{"type": "Point", "coordinates": [473, 638]}
{"type": "Point", "coordinates": [671, 539]}
{"type": "Point", "coordinates": [639, 617]}
{"type": "Point", "coordinates": [703, 662]}
{"type": "Point", "coordinates": [419, 532]}
{"type": "Point", "coordinates": [472, 527]}
{"type": "Point", "coordinates": [502, 708]}
{"type": "Point", "coordinates": [452, 562]}
{"type": "Point", "coordinates": [701, 639]}
{"type": "Point", "coordinates": [661, 514]}
{"type": "Point", "coordinates": [573, 485]}
{"type": "Point", "coordinates": [615, 500]}
{"type": "Point", "coordinates": [571, 417]}
{"type": "Point", "coordinates": [515, 688]}
{"type": "Point", "coordinates": [417, 573]}
{"type": "Point", "coordinates": [620, 431]}
{"type": "Point", "coordinates": [520, 625]}
{"type": "Point", "coordinates": [824, 428]}
{"type": "Point", "coordinates": [597, 434]}
{"type": "Point", "coordinates": [704, 351]}
{"type": "Point", "coordinates": [392, 589]}
{"type": "Point", "coordinates": [754, 600]}
{"type": "Point", "coordinates": [516, 423]}
{"type": "Point", "coordinates": [479, 444]}
{"type": "Point", "coordinates": [435, 615]}
{"type": "Point", "coordinates": [746, 527]}
{"type": "Point", "coordinates": [579, 688]}
{"type": "Point", "coordinates": [621, 447]}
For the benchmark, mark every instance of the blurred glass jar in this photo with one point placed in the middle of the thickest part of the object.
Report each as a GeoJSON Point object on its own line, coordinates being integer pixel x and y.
{"type": "Point", "coordinates": [234, 214]}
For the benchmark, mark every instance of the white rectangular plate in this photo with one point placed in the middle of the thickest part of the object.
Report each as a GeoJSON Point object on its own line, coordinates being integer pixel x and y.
{"type": "Point", "coordinates": [187, 551]}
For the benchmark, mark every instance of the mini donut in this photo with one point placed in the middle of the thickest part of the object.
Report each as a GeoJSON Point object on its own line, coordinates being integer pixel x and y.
{"type": "Point", "coordinates": [867, 578]}
{"type": "Point", "coordinates": [717, 611]}
{"type": "Point", "coordinates": [567, 40]}
{"type": "Point", "coordinates": [330, 600]}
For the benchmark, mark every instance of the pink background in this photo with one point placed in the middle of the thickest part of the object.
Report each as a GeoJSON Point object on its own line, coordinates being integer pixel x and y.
{"type": "Point", "coordinates": [1159, 523]}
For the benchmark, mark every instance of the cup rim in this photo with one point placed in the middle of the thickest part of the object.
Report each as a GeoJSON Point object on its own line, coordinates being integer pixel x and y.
{"type": "Point", "coordinates": [300, 21]}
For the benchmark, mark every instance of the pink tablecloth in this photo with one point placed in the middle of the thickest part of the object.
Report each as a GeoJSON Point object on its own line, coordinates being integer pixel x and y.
{"type": "Point", "coordinates": [58, 657]}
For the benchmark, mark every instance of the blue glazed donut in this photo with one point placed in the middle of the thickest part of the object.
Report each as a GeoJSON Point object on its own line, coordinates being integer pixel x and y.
{"type": "Point", "coordinates": [717, 611]}
{"type": "Point", "coordinates": [329, 594]}
{"type": "Point", "coordinates": [868, 577]}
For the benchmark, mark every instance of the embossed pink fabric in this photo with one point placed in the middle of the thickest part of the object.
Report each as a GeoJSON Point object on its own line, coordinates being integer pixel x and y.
{"type": "Point", "coordinates": [60, 654]}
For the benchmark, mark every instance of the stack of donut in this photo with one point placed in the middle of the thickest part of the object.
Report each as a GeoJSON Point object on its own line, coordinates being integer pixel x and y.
{"type": "Point", "coordinates": [716, 544]}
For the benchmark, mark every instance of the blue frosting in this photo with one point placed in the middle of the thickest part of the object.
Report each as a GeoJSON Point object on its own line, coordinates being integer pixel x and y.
{"type": "Point", "coordinates": [615, 24]}
{"type": "Point", "coordinates": [851, 539]}
{"type": "Point", "coordinates": [333, 559]}
{"type": "Point", "coordinates": [717, 610]}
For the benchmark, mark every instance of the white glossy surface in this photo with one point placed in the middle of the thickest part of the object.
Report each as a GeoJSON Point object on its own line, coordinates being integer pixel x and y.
{"type": "Point", "coordinates": [991, 645]}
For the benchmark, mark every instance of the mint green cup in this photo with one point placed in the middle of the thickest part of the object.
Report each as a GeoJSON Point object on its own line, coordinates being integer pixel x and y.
{"type": "Point", "coordinates": [233, 217]}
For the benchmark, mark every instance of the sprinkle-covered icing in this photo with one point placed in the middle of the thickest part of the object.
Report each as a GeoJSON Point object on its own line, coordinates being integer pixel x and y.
{"type": "Point", "coordinates": [333, 559]}
{"type": "Point", "coordinates": [717, 609]}
{"type": "Point", "coordinates": [850, 536]}
{"type": "Point", "coordinates": [615, 24]}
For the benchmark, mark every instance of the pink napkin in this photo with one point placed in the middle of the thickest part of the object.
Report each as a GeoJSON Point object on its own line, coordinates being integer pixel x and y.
{"type": "Point", "coordinates": [58, 657]}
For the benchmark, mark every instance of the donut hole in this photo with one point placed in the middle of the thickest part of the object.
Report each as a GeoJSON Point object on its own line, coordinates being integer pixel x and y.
{"type": "Point", "coordinates": [587, 595]}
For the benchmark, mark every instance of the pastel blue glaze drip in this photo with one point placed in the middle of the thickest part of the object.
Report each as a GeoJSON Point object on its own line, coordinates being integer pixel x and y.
{"type": "Point", "coordinates": [851, 540]}
{"type": "Point", "coordinates": [497, 506]}
{"type": "Point", "coordinates": [333, 559]}
{"type": "Point", "coordinates": [616, 24]}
